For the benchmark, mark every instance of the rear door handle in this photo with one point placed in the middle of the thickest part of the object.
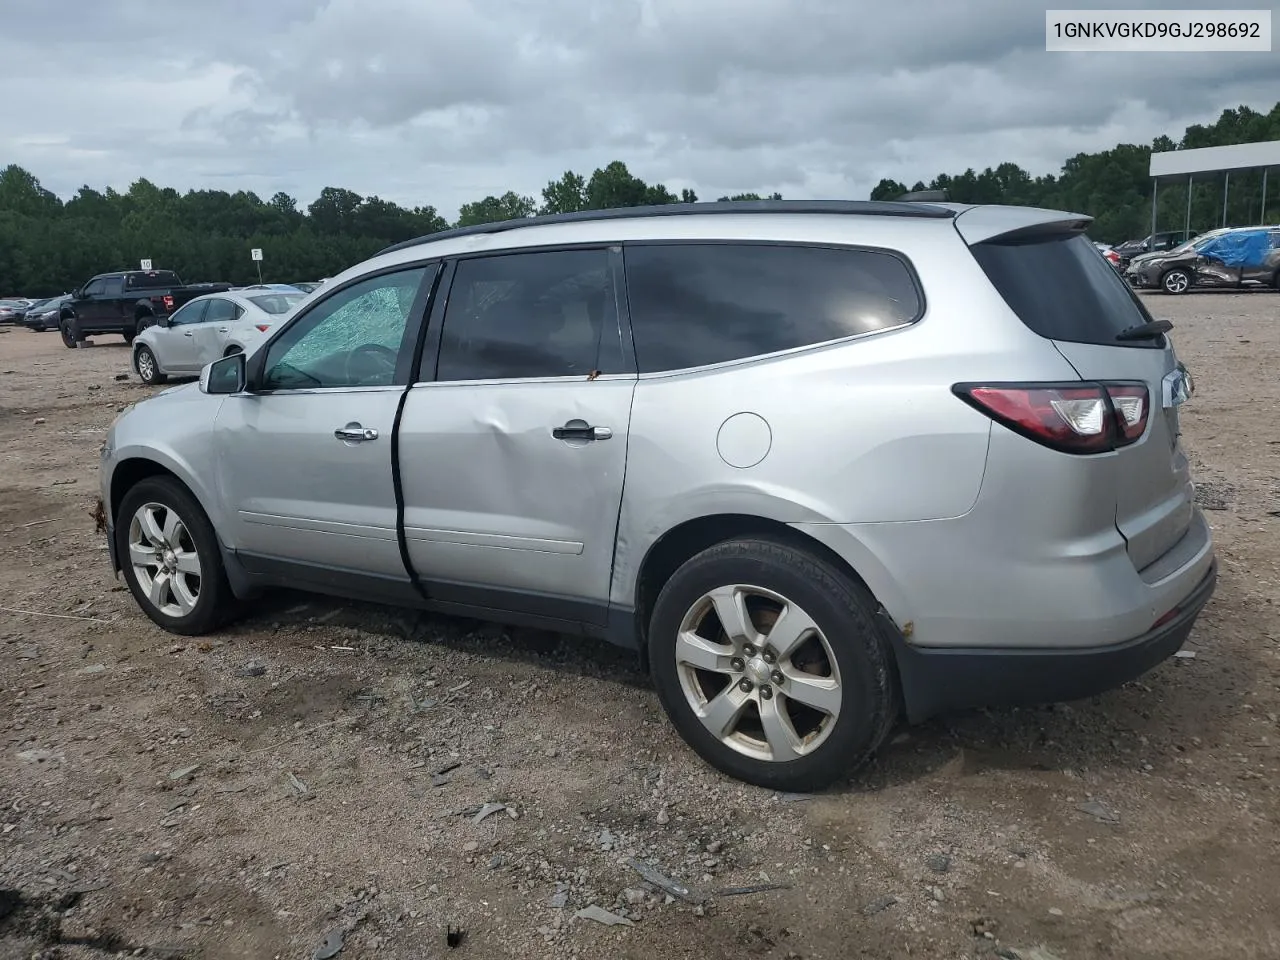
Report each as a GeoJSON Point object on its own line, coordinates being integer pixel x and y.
{"type": "Point", "coordinates": [222, 329]}
{"type": "Point", "coordinates": [188, 334]}
{"type": "Point", "coordinates": [354, 433]}
{"type": "Point", "coordinates": [581, 430]}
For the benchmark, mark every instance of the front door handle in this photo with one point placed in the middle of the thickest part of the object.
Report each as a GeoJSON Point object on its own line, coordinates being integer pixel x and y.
{"type": "Point", "coordinates": [188, 334]}
{"type": "Point", "coordinates": [354, 433]}
{"type": "Point", "coordinates": [581, 430]}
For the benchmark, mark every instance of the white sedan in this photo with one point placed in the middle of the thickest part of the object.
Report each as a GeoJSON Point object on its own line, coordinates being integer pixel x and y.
{"type": "Point", "coordinates": [208, 328]}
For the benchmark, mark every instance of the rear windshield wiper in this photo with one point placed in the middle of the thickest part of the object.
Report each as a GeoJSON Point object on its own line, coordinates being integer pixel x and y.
{"type": "Point", "coordinates": [1146, 331]}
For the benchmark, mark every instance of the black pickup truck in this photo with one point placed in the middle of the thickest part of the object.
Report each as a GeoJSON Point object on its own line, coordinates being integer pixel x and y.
{"type": "Point", "coordinates": [126, 302]}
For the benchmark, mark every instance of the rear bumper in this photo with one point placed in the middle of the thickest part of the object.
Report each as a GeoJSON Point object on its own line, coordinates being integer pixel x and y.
{"type": "Point", "coordinates": [938, 680]}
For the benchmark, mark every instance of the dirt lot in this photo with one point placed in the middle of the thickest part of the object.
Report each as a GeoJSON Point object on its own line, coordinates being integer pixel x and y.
{"type": "Point", "coordinates": [245, 795]}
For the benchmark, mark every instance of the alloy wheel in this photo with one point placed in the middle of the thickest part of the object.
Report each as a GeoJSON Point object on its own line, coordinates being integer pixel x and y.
{"type": "Point", "coordinates": [164, 559]}
{"type": "Point", "coordinates": [758, 673]}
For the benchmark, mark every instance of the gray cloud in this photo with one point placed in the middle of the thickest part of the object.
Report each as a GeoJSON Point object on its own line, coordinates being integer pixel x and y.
{"type": "Point", "coordinates": [441, 102]}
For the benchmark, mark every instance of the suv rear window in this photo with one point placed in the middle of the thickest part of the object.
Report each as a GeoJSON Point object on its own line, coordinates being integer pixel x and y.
{"type": "Point", "coordinates": [152, 279]}
{"type": "Point", "coordinates": [1063, 289]}
{"type": "Point", "coordinates": [698, 303]}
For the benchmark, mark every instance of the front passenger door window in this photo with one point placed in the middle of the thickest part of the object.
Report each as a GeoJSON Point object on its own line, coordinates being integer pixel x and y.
{"type": "Point", "coordinates": [350, 339]}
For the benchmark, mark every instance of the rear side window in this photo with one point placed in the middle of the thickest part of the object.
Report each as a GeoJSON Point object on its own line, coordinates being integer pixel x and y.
{"type": "Point", "coordinates": [699, 303]}
{"type": "Point", "coordinates": [152, 279]}
{"type": "Point", "coordinates": [1063, 289]}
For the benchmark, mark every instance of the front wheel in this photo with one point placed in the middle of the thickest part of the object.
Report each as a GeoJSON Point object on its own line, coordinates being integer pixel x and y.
{"type": "Point", "coordinates": [770, 664]}
{"type": "Point", "coordinates": [170, 557]}
{"type": "Point", "coordinates": [68, 331]}
{"type": "Point", "coordinates": [1176, 281]}
{"type": "Point", "coordinates": [145, 363]}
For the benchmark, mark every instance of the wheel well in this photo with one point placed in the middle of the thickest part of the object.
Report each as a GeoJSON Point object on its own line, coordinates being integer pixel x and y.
{"type": "Point", "coordinates": [683, 542]}
{"type": "Point", "coordinates": [234, 348]}
{"type": "Point", "coordinates": [129, 473]}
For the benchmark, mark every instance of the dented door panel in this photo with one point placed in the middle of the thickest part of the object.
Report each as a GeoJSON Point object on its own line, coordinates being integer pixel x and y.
{"type": "Point", "coordinates": [493, 498]}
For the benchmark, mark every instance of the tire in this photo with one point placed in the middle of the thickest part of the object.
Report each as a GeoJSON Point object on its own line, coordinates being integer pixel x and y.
{"type": "Point", "coordinates": [187, 603]}
{"type": "Point", "coordinates": [847, 642]}
{"type": "Point", "coordinates": [69, 335]}
{"type": "Point", "coordinates": [142, 323]}
{"type": "Point", "coordinates": [128, 338]}
{"type": "Point", "coordinates": [144, 361]}
{"type": "Point", "coordinates": [1176, 281]}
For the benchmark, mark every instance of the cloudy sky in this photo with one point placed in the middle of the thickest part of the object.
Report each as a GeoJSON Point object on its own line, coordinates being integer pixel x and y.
{"type": "Point", "coordinates": [443, 101]}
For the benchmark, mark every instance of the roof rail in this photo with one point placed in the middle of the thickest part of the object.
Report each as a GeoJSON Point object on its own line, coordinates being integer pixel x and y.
{"type": "Point", "coordinates": [877, 208]}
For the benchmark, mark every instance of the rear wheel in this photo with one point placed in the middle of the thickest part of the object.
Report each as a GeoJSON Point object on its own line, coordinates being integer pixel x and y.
{"type": "Point", "coordinates": [143, 322]}
{"type": "Point", "coordinates": [770, 664]}
{"type": "Point", "coordinates": [170, 557]}
{"type": "Point", "coordinates": [144, 361]}
{"type": "Point", "coordinates": [1176, 281]}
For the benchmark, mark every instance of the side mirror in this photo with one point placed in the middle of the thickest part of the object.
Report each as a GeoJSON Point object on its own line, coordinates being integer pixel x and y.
{"type": "Point", "coordinates": [225, 376]}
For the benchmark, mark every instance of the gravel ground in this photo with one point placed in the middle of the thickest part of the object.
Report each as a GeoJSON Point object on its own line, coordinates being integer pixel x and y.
{"type": "Point", "coordinates": [320, 768]}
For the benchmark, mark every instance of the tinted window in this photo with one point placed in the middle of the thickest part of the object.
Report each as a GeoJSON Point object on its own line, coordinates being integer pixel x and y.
{"type": "Point", "coordinates": [699, 303]}
{"type": "Point", "coordinates": [153, 278]}
{"type": "Point", "coordinates": [113, 286]}
{"type": "Point", "coordinates": [220, 311]}
{"type": "Point", "coordinates": [529, 315]}
{"type": "Point", "coordinates": [276, 302]}
{"type": "Point", "coordinates": [350, 339]}
{"type": "Point", "coordinates": [1063, 290]}
{"type": "Point", "coordinates": [94, 288]}
{"type": "Point", "coordinates": [189, 313]}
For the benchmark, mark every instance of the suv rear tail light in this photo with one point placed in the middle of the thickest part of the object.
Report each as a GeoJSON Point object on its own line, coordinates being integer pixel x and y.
{"type": "Point", "coordinates": [1069, 417]}
{"type": "Point", "coordinates": [1131, 406]}
{"type": "Point", "coordinates": [263, 327]}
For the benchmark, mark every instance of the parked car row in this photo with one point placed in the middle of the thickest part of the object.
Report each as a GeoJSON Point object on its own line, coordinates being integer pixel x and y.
{"type": "Point", "coordinates": [1153, 243]}
{"type": "Point", "coordinates": [207, 328]}
{"type": "Point", "coordinates": [449, 424]}
{"type": "Point", "coordinates": [1231, 257]}
{"type": "Point", "coordinates": [124, 302]}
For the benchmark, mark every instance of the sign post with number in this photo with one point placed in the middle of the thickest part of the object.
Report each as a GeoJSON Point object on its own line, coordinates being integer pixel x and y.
{"type": "Point", "coordinates": [146, 264]}
{"type": "Point", "coordinates": [256, 255]}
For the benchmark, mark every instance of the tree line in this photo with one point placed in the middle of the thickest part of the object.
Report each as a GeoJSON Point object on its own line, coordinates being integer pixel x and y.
{"type": "Point", "coordinates": [48, 245]}
{"type": "Point", "coordinates": [1114, 186]}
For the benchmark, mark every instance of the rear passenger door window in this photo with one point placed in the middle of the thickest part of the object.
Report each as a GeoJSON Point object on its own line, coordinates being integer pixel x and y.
{"type": "Point", "coordinates": [694, 304]}
{"type": "Point", "coordinates": [221, 311]}
{"type": "Point", "coordinates": [531, 316]}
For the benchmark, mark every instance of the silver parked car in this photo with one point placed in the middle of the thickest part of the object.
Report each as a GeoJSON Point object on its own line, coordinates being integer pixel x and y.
{"type": "Point", "coordinates": [207, 328]}
{"type": "Point", "coordinates": [823, 464]}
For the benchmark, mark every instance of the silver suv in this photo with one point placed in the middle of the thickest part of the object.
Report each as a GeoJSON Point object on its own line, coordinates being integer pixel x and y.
{"type": "Point", "coordinates": [823, 464]}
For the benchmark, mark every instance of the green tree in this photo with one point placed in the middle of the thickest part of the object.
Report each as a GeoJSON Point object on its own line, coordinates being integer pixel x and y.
{"type": "Point", "coordinates": [509, 206]}
{"type": "Point", "coordinates": [566, 195]}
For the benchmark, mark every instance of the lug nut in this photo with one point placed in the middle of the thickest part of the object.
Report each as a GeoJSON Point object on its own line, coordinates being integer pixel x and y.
{"type": "Point", "coordinates": [766, 692]}
{"type": "Point", "coordinates": [738, 664]}
{"type": "Point", "coordinates": [777, 677]}
{"type": "Point", "coordinates": [748, 650]}
{"type": "Point", "coordinates": [770, 657]}
{"type": "Point", "coordinates": [744, 685]}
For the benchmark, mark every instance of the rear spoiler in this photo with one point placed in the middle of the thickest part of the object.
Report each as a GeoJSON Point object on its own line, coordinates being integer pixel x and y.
{"type": "Point", "coordinates": [983, 224]}
{"type": "Point", "coordinates": [925, 196]}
